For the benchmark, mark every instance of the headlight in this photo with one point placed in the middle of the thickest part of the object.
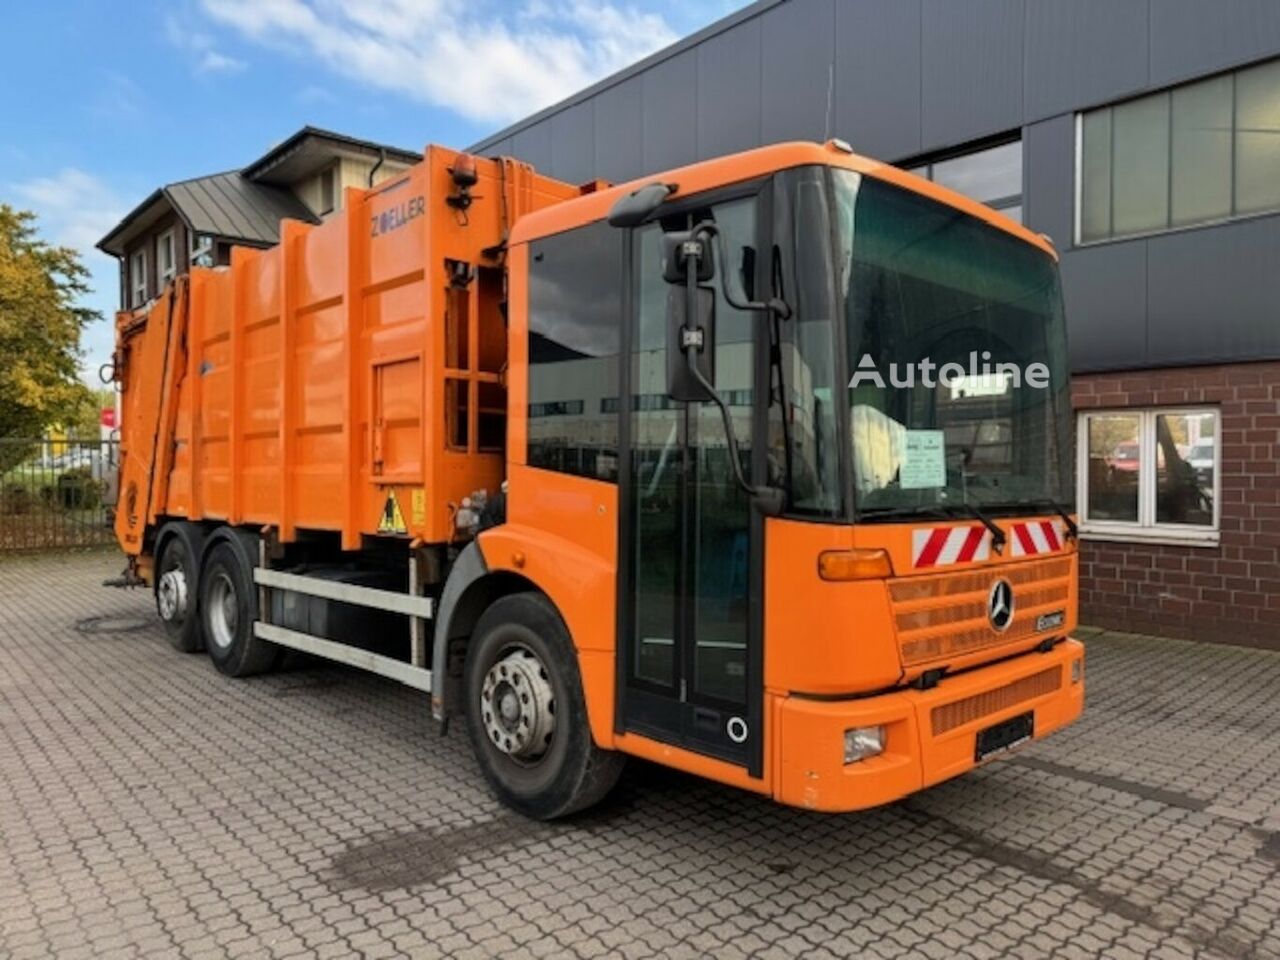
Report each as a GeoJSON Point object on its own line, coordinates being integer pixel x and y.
{"type": "Point", "coordinates": [863, 742]}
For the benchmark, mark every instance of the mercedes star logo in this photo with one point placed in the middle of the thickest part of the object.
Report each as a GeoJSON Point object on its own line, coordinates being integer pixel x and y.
{"type": "Point", "coordinates": [1000, 605]}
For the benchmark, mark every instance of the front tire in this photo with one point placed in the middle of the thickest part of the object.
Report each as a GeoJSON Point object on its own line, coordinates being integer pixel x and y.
{"type": "Point", "coordinates": [177, 585]}
{"type": "Point", "coordinates": [526, 714]}
{"type": "Point", "coordinates": [228, 609]}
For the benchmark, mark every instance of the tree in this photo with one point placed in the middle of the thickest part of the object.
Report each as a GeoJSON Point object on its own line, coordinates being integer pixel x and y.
{"type": "Point", "coordinates": [40, 328]}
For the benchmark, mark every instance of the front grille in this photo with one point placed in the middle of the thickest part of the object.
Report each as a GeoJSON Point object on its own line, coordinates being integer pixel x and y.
{"type": "Point", "coordinates": [946, 615]}
{"type": "Point", "coordinates": [958, 713]}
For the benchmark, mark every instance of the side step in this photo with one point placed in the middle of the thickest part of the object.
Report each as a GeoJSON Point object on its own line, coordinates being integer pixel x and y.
{"type": "Point", "coordinates": [418, 608]}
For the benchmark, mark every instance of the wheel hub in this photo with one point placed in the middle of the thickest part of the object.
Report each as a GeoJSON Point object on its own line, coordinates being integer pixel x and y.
{"type": "Point", "coordinates": [517, 705]}
{"type": "Point", "coordinates": [171, 595]}
{"type": "Point", "coordinates": [223, 611]}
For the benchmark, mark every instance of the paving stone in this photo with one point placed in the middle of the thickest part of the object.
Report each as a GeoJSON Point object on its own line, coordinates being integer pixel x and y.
{"type": "Point", "coordinates": [151, 807]}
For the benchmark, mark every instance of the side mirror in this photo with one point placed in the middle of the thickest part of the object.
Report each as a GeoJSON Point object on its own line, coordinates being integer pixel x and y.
{"type": "Point", "coordinates": [682, 384]}
{"type": "Point", "coordinates": [636, 207]}
{"type": "Point", "coordinates": [678, 247]}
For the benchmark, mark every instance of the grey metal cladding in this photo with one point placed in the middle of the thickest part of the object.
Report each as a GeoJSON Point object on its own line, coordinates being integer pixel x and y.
{"type": "Point", "coordinates": [619, 131]}
{"type": "Point", "coordinates": [877, 93]}
{"type": "Point", "coordinates": [1214, 293]}
{"type": "Point", "coordinates": [1083, 52]}
{"type": "Point", "coordinates": [972, 76]}
{"type": "Point", "coordinates": [573, 143]}
{"type": "Point", "coordinates": [1190, 37]}
{"type": "Point", "coordinates": [1048, 160]}
{"type": "Point", "coordinates": [533, 145]}
{"type": "Point", "coordinates": [670, 111]}
{"type": "Point", "coordinates": [798, 57]}
{"type": "Point", "coordinates": [729, 91]}
{"type": "Point", "coordinates": [1105, 289]}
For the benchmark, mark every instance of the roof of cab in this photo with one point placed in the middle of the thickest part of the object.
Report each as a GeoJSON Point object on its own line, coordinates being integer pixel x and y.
{"type": "Point", "coordinates": [758, 162]}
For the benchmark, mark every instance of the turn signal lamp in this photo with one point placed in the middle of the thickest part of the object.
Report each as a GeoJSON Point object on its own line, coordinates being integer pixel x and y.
{"type": "Point", "coordinates": [854, 564]}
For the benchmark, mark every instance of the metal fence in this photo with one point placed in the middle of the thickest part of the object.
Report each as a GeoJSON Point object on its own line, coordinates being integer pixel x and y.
{"type": "Point", "coordinates": [57, 492]}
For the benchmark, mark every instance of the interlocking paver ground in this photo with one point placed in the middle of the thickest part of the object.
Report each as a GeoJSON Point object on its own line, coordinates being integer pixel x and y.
{"type": "Point", "coordinates": [149, 807]}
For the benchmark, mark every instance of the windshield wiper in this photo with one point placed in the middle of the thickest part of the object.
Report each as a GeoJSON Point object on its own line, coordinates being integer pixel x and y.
{"type": "Point", "coordinates": [1073, 531]}
{"type": "Point", "coordinates": [968, 509]}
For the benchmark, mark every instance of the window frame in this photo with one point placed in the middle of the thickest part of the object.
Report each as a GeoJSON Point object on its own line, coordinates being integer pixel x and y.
{"type": "Point", "coordinates": [138, 279]}
{"type": "Point", "coordinates": [1147, 529]}
{"type": "Point", "coordinates": [1168, 91]}
{"type": "Point", "coordinates": [167, 238]}
{"type": "Point", "coordinates": [330, 172]}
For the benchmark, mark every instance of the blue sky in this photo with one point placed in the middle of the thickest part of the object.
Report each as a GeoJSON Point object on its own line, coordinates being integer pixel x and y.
{"type": "Point", "coordinates": [102, 101]}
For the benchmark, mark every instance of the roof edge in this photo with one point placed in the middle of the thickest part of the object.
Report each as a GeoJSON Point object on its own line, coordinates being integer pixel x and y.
{"type": "Point", "coordinates": [277, 153]}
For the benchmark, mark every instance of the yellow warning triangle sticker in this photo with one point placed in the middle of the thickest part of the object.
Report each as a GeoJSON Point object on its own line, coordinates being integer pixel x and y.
{"type": "Point", "coordinates": [392, 520]}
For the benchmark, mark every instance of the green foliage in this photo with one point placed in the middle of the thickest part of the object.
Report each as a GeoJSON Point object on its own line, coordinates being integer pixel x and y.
{"type": "Point", "coordinates": [40, 329]}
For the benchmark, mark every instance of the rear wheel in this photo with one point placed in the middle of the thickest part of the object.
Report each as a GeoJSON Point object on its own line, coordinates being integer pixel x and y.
{"type": "Point", "coordinates": [526, 714]}
{"type": "Point", "coordinates": [228, 609]}
{"type": "Point", "coordinates": [177, 580]}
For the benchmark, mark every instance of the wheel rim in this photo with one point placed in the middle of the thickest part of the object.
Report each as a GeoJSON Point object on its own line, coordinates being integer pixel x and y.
{"type": "Point", "coordinates": [224, 610]}
{"type": "Point", "coordinates": [171, 595]}
{"type": "Point", "coordinates": [517, 705]}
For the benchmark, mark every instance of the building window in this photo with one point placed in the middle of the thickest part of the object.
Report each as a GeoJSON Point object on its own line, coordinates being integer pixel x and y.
{"type": "Point", "coordinates": [1150, 474]}
{"type": "Point", "coordinates": [1198, 153]}
{"type": "Point", "coordinates": [575, 316]}
{"type": "Point", "coordinates": [138, 277]}
{"type": "Point", "coordinates": [166, 258]}
{"type": "Point", "coordinates": [991, 175]}
{"type": "Point", "coordinates": [328, 190]}
{"type": "Point", "coordinates": [201, 250]}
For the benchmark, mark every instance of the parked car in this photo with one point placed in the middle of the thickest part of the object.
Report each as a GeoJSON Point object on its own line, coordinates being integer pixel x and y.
{"type": "Point", "coordinates": [1200, 459]}
{"type": "Point", "coordinates": [1125, 457]}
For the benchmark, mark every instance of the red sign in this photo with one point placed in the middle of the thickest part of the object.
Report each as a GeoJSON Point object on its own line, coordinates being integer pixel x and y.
{"type": "Point", "coordinates": [108, 417]}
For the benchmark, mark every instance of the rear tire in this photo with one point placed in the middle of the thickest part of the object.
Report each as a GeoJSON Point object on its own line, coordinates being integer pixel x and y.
{"type": "Point", "coordinates": [177, 587]}
{"type": "Point", "coordinates": [228, 609]}
{"type": "Point", "coordinates": [526, 714]}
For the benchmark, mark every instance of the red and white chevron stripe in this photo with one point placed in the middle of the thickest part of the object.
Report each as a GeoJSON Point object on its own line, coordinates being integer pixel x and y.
{"type": "Point", "coordinates": [1039, 536]}
{"type": "Point", "coordinates": [941, 546]}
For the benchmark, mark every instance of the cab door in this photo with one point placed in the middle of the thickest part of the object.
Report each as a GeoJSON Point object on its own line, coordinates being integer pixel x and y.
{"type": "Point", "coordinates": [690, 545]}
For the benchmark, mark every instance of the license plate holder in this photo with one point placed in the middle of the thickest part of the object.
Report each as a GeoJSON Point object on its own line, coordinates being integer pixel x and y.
{"type": "Point", "coordinates": [1005, 735]}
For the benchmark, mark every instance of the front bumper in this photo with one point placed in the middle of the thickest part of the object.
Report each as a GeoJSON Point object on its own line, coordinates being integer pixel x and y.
{"type": "Point", "coordinates": [931, 735]}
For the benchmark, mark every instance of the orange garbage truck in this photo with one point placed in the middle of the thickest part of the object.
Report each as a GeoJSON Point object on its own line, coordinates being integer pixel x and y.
{"type": "Point", "coordinates": [760, 468]}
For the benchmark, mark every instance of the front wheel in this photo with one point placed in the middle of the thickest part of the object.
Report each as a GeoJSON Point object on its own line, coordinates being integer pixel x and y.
{"type": "Point", "coordinates": [526, 714]}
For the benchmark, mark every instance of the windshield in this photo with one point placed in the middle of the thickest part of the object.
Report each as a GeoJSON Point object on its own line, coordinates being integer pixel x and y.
{"type": "Point", "coordinates": [957, 357]}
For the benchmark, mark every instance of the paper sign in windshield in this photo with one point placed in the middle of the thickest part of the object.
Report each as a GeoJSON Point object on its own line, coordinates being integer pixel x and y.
{"type": "Point", "coordinates": [924, 460]}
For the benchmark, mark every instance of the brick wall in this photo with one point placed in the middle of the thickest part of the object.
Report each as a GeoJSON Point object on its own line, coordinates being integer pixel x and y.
{"type": "Point", "coordinates": [1229, 593]}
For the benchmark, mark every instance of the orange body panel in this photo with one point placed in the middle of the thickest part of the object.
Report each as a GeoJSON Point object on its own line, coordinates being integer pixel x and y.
{"type": "Point", "coordinates": [357, 358]}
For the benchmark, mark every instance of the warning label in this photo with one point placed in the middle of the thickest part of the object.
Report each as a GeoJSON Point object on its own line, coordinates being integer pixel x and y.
{"type": "Point", "coordinates": [418, 507]}
{"type": "Point", "coordinates": [392, 520]}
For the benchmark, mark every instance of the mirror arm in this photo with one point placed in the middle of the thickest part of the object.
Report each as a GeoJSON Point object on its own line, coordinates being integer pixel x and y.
{"type": "Point", "coordinates": [769, 499]}
{"type": "Point", "coordinates": [773, 305]}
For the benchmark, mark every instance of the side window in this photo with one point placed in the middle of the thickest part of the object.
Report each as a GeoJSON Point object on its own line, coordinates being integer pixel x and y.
{"type": "Point", "coordinates": [575, 323]}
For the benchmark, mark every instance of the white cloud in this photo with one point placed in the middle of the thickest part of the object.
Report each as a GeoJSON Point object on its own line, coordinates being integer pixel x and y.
{"type": "Point", "coordinates": [214, 62]}
{"type": "Point", "coordinates": [199, 45]}
{"type": "Point", "coordinates": [76, 209]}
{"type": "Point", "coordinates": [490, 61]}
